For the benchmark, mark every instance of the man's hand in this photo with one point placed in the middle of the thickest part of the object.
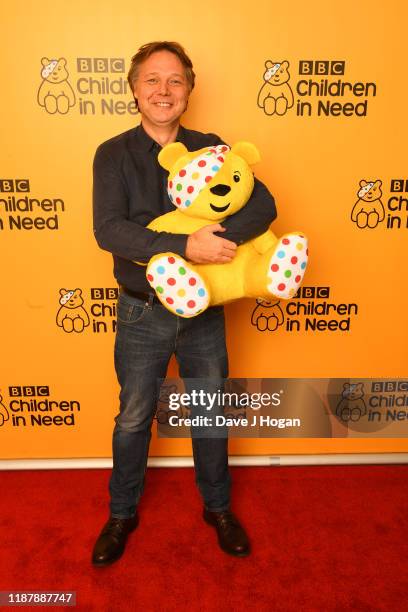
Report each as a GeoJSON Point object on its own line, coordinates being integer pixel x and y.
{"type": "Point", "coordinates": [203, 247]}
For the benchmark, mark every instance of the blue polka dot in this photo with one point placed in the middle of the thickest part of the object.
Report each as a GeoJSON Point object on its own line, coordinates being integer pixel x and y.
{"type": "Point", "coordinates": [179, 311]}
{"type": "Point", "coordinates": [201, 292]}
{"type": "Point", "coordinates": [280, 254]}
{"type": "Point", "coordinates": [187, 202]}
{"type": "Point", "coordinates": [215, 168]}
{"type": "Point", "coordinates": [161, 269]}
{"type": "Point", "coordinates": [303, 266]}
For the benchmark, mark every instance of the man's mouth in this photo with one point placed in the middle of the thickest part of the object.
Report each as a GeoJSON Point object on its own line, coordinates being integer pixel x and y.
{"type": "Point", "coordinates": [219, 208]}
{"type": "Point", "coordinates": [163, 104]}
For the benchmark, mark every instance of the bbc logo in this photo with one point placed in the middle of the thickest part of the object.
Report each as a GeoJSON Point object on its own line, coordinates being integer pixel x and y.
{"type": "Point", "coordinates": [108, 293]}
{"type": "Point", "coordinates": [100, 64]}
{"type": "Point", "coordinates": [310, 293]}
{"type": "Point", "coordinates": [399, 186]}
{"type": "Point", "coordinates": [14, 185]}
{"type": "Point", "coordinates": [29, 391]}
{"type": "Point", "coordinates": [390, 386]}
{"type": "Point", "coordinates": [322, 67]}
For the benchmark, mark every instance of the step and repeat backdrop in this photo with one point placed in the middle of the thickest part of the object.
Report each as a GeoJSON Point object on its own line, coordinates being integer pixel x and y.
{"type": "Point", "coordinates": [320, 89]}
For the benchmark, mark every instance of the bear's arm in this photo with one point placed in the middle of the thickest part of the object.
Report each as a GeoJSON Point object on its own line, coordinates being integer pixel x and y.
{"type": "Point", "coordinates": [253, 219]}
{"type": "Point", "coordinates": [114, 232]}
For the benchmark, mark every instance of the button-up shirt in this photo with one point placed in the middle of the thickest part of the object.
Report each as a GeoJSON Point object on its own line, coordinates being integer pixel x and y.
{"type": "Point", "coordinates": [130, 190]}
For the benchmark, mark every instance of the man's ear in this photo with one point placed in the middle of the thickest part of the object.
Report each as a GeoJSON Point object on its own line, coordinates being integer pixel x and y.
{"type": "Point", "coordinates": [171, 153]}
{"type": "Point", "coordinates": [247, 151]}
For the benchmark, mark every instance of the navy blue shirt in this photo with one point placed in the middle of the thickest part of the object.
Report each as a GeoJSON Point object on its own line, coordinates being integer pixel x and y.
{"type": "Point", "coordinates": [130, 190]}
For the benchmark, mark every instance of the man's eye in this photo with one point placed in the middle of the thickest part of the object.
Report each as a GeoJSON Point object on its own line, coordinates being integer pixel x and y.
{"type": "Point", "coordinates": [237, 178]}
{"type": "Point", "coordinates": [175, 82]}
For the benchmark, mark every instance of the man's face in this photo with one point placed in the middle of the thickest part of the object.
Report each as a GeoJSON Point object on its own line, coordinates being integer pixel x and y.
{"type": "Point", "coordinates": [161, 89]}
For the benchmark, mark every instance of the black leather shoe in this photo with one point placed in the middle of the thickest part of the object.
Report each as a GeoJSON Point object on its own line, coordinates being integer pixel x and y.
{"type": "Point", "coordinates": [111, 543]}
{"type": "Point", "coordinates": [231, 535]}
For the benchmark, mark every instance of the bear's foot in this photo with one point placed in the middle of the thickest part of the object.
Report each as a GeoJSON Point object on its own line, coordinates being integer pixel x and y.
{"type": "Point", "coordinates": [177, 285]}
{"type": "Point", "coordinates": [287, 266]}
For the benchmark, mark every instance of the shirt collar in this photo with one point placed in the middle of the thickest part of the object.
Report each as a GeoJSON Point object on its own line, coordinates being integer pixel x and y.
{"type": "Point", "coordinates": [147, 143]}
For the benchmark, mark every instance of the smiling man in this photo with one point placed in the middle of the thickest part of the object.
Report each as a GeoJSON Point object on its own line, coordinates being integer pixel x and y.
{"type": "Point", "coordinates": [129, 192]}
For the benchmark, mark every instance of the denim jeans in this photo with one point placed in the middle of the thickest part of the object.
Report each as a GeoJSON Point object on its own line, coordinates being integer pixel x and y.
{"type": "Point", "coordinates": [146, 337]}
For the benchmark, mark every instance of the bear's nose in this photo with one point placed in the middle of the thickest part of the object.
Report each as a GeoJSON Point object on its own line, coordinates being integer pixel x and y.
{"type": "Point", "coordinates": [220, 189]}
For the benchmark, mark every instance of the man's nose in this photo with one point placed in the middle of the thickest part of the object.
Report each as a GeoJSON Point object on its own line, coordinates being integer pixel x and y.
{"type": "Point", "coordinates": [220, 189]}
{"type": "Point", "coordinates": [163, 88]}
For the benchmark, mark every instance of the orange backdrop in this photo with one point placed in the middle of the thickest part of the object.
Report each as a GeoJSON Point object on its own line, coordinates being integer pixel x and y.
{"type": "Point", "coordinates": [314, 155]}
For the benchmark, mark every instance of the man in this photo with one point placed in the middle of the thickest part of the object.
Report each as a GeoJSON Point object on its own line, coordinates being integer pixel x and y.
{"type": "Point", "coordinates": [130, 191]}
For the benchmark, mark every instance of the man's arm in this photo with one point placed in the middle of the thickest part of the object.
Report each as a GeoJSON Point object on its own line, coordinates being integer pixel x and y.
{"type": "Point", "coordinates": [254, 218]}
{"type": "Point", "coordinates": [113, 230]}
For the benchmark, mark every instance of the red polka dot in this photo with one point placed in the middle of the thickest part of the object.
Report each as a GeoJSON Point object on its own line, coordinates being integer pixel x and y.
{"type": "Point", "coordinates": [297, 278]}
{"type": "Point", "coordinates": [191, 303]}
{"type": "Point", "coordinates": [202, 163]}
{"type": "Point", "coordinates": [274, 267]}
{"type": "Point", "coordinates": [224, 148]}
{"type": "Point", "coordinates": [171, 281]}
{"type": "Point", "coordinates": [149, 277]}
{"type": "Point", "coordinates": [192, 281]}
{"type": "Point", "coordinates": [208, 179]}
{"type": "Point", "coordinates": [170, 184]}
{"type": "Point", "coordinates": [294, 260]}
{"type": "Point", "coordinates": [178, 200]}
{"type": "Point", "coordinates": [281, 286]}
{"type": "Point", "coordinates": [221, 159]}
{"type": "Point", "coordinates": [182, 173]}
{"type": "Point", "coordinates": [171, 259]}
{"type": "Point", "coordinates": [190, 189]}
{"type": "Point", "coordinates": [285, 241]}
{"type": "Point", "coordinates": [170, 300]}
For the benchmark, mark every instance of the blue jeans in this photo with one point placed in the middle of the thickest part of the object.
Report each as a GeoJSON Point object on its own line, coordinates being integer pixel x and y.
{"type": "Point", "coordinates": [146, 337]}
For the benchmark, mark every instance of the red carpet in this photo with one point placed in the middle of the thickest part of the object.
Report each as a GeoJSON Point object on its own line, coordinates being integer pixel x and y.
{"type": "Point", "coordinates": [324, 538]}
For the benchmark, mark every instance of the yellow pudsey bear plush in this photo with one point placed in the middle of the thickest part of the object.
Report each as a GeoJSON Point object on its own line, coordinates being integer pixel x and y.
{"type": "Point", "coordinates": [206, 186]}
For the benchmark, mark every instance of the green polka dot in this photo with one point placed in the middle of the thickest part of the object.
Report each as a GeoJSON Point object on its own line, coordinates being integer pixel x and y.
{"type": "Point", "coordinates": [288, 273]}
{"type": "Point", "coordinates": [182, 270]}
{"type": "Point", "coordinates": [179, 187]}
{"type": "Point", "coordinates": [159, 289]}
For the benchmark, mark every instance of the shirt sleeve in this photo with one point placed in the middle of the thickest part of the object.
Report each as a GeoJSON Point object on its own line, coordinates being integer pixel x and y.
{"type": "Point", "coordinates": [254, 218]}
{"type": "Point", "coordinates": [113, 230]}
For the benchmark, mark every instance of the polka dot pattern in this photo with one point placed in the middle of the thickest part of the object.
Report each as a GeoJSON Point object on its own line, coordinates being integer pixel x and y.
{"type": "Point", "coordinates": [180, 289]}
{"type": "Point", "coordinates": [186, 185]}
{"type": "Point", "coordinates": [287, 266]}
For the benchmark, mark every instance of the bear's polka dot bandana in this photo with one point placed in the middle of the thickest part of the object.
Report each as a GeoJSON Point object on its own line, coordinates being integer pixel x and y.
{"type": "Point", "coordinates": [365, 190]}
{"type": "Point", "coordinates": [187, 184]}
{"type": "Point", "coordinates": [66, 297]}
{"type": "Point", "coordinates": [46, 71]}
{"type": "Point", "coordinates": [271, 71]}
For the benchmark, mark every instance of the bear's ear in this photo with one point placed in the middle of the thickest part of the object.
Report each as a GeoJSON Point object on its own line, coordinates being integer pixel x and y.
{"type": "Point", "coordinates": [269, 64]}
{"type": "Point", "coordinates": [359, 387]}
{"type": "Point", "coordinates": [346, 386]}
{"type": "Point", "coordinates": [78, 292]}
{"type": "Point", "coordinates": [62, 61]}
{"type": "Point", "coordinates": [247, 151]}
{"type": "Point", "coordinates": [285, 64]}
{"type": "Point", "coordinates": [45, 61]}
{"type": "Point", "coordinates": [378, 183]}
{"type": "Point", "coordinates": [63, 291]}
{"type": "Point", "coordinates": [170, 154]}
{"type": "Point", "coordinates": [363, 183]}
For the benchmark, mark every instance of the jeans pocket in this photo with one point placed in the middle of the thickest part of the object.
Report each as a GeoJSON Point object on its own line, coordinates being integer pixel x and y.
{"type": "Point", "coordinates": [129, 312]}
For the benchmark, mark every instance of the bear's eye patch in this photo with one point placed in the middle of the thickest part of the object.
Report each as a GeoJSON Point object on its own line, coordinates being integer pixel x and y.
{"type": "Point", "coordinates": [237, 176]}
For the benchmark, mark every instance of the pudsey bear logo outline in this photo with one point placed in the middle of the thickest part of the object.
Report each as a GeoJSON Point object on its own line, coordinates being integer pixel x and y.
{"type": "Point", "coordinates": [351, 407]}
{"type": "Point", "coordinates": [4, 413]}
{"type": "Point", "coordinates": [72, 316]}
{"type": "Point", "coordinates": [276, 95]}
{"type": "Point", "coordinates": [55, 94]}
{"type": "Point", "coordinates": [368, 211]}
{"type": "Point", "coordinates": [267, 315]}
